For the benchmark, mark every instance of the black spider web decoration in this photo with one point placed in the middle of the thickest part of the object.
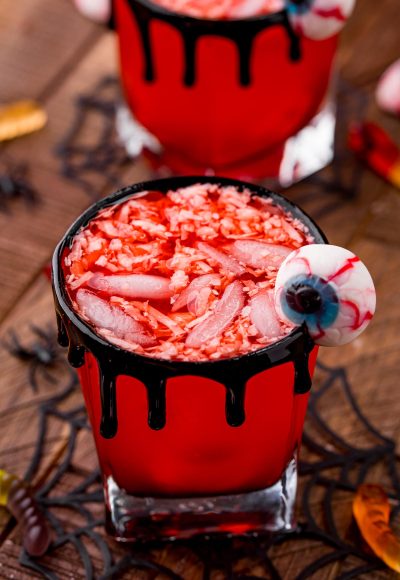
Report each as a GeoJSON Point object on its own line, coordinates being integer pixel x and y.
{"type": "Point", "coordinates": [331, 465]}
{"type": "Point", "coordinates": [90, 147]}
{"type": "Point", "coordinates": [104, 155]}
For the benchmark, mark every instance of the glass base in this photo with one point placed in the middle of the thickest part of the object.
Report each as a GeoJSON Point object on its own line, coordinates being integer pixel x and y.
{"type": "Point", "coordinates": [300, 156]}
{"type": "Point", "coordinates": [138, 519]}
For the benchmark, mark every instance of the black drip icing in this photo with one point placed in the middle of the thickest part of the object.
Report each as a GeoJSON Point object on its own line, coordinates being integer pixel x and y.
{"type": "Point", "coordinates": [302, 378]}
{"type": "Point", "coordinates": [233, 373]}
{"type": "Point", "coordinates": [234, 406]}
{"type": "Point", "coordinates": [156, 392]}
{"type": "Point", "coordinates": [108, 393]}
{"type": "Point", "coordinates": [241, 32]}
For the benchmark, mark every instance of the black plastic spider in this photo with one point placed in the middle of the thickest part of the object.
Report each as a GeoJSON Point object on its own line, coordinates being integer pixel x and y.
{"type": "Point", "coordinates": [14, 184]}
{"type": "Point", "coordinates": [42, 354]}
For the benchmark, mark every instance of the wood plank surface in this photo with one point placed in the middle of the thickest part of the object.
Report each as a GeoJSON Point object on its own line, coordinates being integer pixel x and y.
{"type": "Point", "coordinates": [38, 229]}
{"type": "Point", "coordinates": [38, 47]}
{"type": "Point", "coordinates": [370, 40]}
{"type": "Point", "coordinates": [81, 54]}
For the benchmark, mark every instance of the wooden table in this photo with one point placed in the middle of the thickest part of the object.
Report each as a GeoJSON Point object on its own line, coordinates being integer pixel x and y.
{"type": "Point", "coordinates": [50, 53]}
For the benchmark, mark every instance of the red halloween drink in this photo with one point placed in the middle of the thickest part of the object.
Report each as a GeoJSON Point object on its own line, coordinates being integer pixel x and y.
{"type": "Point", "coordinates": [193, 385]}
{"type": "Point", "coordinates": [226, 96]}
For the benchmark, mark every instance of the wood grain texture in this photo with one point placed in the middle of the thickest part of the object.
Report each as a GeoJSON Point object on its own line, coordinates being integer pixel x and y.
{"type": "Point", "coordinates": [39, 40]}
{"type": "Point", "coordinates": [99, 61]}
{"type": "Point", "coordinates": [38, 229]}
{"type": "Point", "coordinates": [370, 41]}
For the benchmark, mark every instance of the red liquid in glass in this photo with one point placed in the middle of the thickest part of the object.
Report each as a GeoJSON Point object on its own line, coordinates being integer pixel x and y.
{"type": "Point", "coordinates": [218, 124]}
{"type": "Point", "coordinates": [197, 452]}
{"type": "Point", "coordinates": [169, 235]}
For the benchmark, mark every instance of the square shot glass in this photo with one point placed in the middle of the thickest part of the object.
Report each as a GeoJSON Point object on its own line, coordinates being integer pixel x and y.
{"type": "Point", "coordinates": [188, 448]}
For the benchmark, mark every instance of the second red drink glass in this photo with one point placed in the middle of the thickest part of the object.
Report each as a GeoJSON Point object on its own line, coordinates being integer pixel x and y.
{"type": "Point", "coordinates": [228, 97]}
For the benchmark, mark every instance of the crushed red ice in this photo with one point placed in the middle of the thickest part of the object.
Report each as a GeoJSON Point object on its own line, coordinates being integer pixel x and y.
{"type": "Point", "coordinates": [225, 311]}
{"type": "Point", "coordinates": [107, 317]}
{"type": "Point", "coordinates": [221, 9]}
{"type": "Point", "coordinates": [259, 254]}
{"type": "Point", "coordinates": [263, 315]}
{"type": "Point", "coordinates": [228, 263]}
{"type": "Point", "coordinates": [188, 275]}
{"type": "Point", "coordinates": [192, 295]}
{"type": "Point", "coordinates": [132, 286]}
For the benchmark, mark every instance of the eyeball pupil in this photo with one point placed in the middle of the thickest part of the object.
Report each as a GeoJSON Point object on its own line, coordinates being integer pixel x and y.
{"type": "Point", "coordinates": [304, 299]}
{"type": "Point", "coordinates": [300, 5]}
{"type": "Point", "coordinates": [310, 298]}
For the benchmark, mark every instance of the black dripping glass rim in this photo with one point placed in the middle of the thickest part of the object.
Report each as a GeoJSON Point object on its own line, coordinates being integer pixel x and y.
{"type": "Point", "coordinates": [273, 351]}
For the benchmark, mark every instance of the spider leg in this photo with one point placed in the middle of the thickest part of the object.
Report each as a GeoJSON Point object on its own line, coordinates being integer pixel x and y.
{"type": "Point", "coordinates": [24, 190]}
{"type": "Point", "coordinates": [15, 347]}
{"type": "Point", "coordinates": [15, 344]}
{"type": "Point", "coordinates": [9, 344]}
{"type": "Point", "coordinates": [48, 336]}
{"type": "Point", "coordinates": [32, 376]}
{"type": "Point", "coordinates": [44, 333]}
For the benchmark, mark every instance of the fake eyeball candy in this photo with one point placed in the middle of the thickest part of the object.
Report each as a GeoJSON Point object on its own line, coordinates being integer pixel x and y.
{"type": "Point", "coordinates": [388, 90]}
{"type": "Point", "coordinates": [328, 289]}
{"type": "Point", "coordinates": [319, 19]}
{"type": "Point", "coordinates": [97, 10]}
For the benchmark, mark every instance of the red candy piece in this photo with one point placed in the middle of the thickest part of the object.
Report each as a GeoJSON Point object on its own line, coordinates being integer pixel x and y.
{"type": "Point", "coordinates": [376, 149]}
